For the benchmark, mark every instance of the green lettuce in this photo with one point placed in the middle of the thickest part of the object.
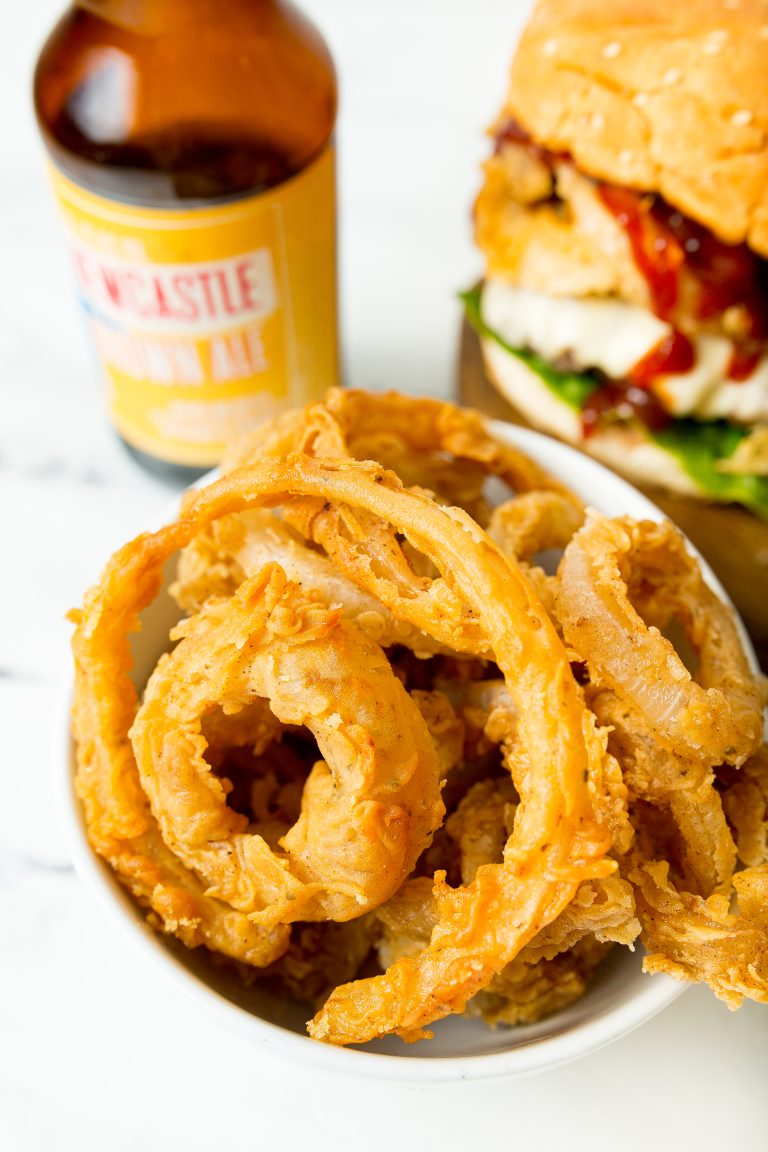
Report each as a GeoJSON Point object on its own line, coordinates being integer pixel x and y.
{"type": "Point", "coordinates": [697, 446]}
{"type": "Point", "coordinates": [573, 388]}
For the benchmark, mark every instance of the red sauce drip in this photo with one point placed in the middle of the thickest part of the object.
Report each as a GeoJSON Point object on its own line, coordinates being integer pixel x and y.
{"type": "Point", "coordinates": [684, 264]}
{"type": "Point", "coordinates": [512, 132]}
{"type": "Point", "coordinates": [614, 402]}
{"type": "Point", "coordinates": [666, 243]}
{"type": "Point", "coordinates": [744, 359]}
{"type": "Point", "coordinates": [727, 274]}
{"type": "Point", "coordinates": [657, 252]}
{"type": "Point", "coordinates": [673, 353]}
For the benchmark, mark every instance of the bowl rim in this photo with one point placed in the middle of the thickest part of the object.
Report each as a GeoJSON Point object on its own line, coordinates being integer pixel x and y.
{"type": "Point", "coordinates": [537, 1055]}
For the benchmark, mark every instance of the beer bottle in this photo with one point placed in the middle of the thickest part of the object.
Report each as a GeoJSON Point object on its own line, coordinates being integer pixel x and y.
{"type": "Point", "coordinates": [191, 148]}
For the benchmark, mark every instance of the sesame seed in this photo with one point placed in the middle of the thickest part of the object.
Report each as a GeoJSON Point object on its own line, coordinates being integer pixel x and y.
{"type": "Point", "coordinates": [549, 47]}
{"type": "Point", "coordinates": [731, 4]}
{"type": "Point", "coordinates": [626, 156]}
{"type": "Point", "coordinates": [763, 33]}
{"type": "Point", "coordinates": [712, 47]}
{"type": "Point", "coordinates": [611, 51]}
{"type": "Point", "coordinates": [741, 118]}
{"type": "Point", "coordinates": [671, 76]}
{"type": "Point", "coordinates": [640, 99]}
{"type": "Point", "coordinates": [597, 121]}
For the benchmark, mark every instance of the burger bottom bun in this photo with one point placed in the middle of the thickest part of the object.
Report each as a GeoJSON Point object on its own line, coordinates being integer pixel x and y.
{"type": "Point", "coordinates": [619, 446]}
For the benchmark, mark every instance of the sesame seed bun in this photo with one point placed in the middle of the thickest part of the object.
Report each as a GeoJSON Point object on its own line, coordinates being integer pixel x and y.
{"type": "Point", "coordinates": [660, 96]}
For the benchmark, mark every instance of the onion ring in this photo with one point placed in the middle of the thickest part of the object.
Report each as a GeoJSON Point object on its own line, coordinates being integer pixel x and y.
{"type": "Point", "coordinates": [320, 956]}
{"type": "Point", "coordinates": [745, 800]}
{"type": "Point", "coordinates": [557, 842]}
{"type": "Point", "coordinates": [236, 547]}
{"type": "Point", "coordinates": [429, 443]}
{"type": "Point", "coordinates": [716, 718]}
{"type": "Point", "coordinates": [549, 972]}
{"type": "Point", "coordinates": [526, 992]}
{"type": "Point", "coordinates": [692, 935]}
{"type": "Point", "coordinates": [447, 730]}
{"type": "Point", "coordinates": [380, 774]}
{"type": "Point", "coordinates": [697, 939]}
{"type": "Point", "coordinates": [534, 522]}
{"type": "Point", "coordinates": [482, 824]}
{"type": "Point", "coordinates": [680, 784]}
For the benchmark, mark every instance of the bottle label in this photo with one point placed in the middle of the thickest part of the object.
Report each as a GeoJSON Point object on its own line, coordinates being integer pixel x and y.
{"type": "Point", "coordinates": [208, 320]}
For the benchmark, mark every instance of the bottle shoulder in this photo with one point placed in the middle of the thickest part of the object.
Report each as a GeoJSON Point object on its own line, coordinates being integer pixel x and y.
{"type": "Point", "coordinates": [220, 106]}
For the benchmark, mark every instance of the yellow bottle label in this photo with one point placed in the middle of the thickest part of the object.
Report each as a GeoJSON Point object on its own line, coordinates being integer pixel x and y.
{"type": "Point", "coordinates": [208, 320]}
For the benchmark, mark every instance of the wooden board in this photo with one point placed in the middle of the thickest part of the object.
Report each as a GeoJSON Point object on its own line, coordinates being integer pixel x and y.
{"type": "Point", "coordinates": [734, 542]}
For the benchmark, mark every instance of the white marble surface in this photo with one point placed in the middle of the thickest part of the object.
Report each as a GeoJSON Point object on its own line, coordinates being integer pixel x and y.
{"type": "Point", "coordinates": [97, 1052]}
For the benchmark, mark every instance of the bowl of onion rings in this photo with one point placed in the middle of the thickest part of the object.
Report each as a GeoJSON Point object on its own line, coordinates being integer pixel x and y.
{"type": "Point", "coordinates": [433, 731]}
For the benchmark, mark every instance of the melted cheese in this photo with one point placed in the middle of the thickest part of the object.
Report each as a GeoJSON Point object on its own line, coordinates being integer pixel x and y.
{"type": "Point", "coordinates": [611, 335]}
{"type": "Point", "coordinates": [619, 446]}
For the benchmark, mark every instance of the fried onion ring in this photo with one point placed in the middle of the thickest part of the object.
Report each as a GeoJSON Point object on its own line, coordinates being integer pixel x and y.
{"type": "Point", "coordinates": [717, 717]}
{"type": "Point", "coordinates": [439, 447]}
{"type": "Point", "coordinates": [680, 784]}
{"type": "Point", "coordinates": [697, 939]}
{"type": "Point", "coordinates": [550, 971]}
{"type": "Point", "coordinates": [429, 443]}
{"type": "Point", "coordinates": [534, 522]}
{"type": "Point", "coordinates": [547, 714]}
{"type": "Point", "coordinates": [239, 546]}
{"type": "Point", "coordinates": [380, 774]}
{"type": "Point", "coordinates": [557, 842]}
{"type": "Point", "coordinates": [745, 801]}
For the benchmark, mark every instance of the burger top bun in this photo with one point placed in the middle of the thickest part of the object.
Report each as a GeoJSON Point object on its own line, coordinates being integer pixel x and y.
{"type": "Point", "coordinates": [667, 96]}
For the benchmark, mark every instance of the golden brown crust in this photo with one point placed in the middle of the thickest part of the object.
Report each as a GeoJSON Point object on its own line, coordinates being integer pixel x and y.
{"type": "Point", "coordinates": [571, 246]}
{"type": "Point", "coordinates": [668, 98]}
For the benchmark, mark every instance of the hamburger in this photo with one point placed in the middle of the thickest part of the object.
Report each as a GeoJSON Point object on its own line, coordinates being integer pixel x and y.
{"type": "Point", "coordinates": [623, 219]}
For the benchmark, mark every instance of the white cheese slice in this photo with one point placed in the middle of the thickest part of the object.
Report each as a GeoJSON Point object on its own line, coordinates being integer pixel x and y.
{"type": "Point", "coordinates": [706, 391]}
{"type": "Point", "coordinates": [618, 446]}
{"type": "Point", "coordinates": [613, 336]}
{"type": "Point", "coordinates": [596, 332]}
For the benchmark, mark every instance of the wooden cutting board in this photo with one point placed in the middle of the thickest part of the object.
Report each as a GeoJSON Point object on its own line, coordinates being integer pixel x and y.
{"type": "Point", "coordinates": [733, 541]}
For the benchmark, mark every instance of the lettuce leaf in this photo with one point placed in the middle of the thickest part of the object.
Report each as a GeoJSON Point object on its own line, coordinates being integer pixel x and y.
{"type": "Point", "coordinates": [697, 446]}
{"type": "Point", "coordinates": [573, 388]}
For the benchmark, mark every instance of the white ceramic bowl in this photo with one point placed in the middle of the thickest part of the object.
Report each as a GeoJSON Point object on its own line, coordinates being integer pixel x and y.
{"type": "Point", "coordinates": [620, 1000]}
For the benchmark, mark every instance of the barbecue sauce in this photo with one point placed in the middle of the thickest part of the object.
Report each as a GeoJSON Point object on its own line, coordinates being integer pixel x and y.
{"type": "Point", "coordinates": [689, 272]}
{"type": "Point", "coordinates": [673, 353]}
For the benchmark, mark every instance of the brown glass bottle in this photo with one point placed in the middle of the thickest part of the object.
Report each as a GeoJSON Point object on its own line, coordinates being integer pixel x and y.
{"type": "Point", "coordinates": [180, 107]}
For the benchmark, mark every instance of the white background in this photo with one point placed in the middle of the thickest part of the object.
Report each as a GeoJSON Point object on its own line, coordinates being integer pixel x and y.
{"type": "Point", "coordinates": [97, 1051]}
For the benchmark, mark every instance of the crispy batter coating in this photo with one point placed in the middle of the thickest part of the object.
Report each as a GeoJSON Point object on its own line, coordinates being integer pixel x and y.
{"type": "Point", "coordinates": [361, 657]}
{"type": "Point", "coordinates": [526, 992]}
{"type": "Point", "coordinates": [571, 246]}
{"type": "Point", "coordinates": [469, 946]}
{"type": "Point", "coordinates": [217, 561]}
{"type": "Point", "coordinates": [554, 969]}
{"type": "Point", "coordinates": [693, 938]}
{"type": "Point", "coordinates": [380, 772]}
{"type": "Point", "coordinates": [320, 956]}
{"type": "Point", "coordinates": [745, 801]}
{"type": "Point", "coordinates": [681, 785]}
{"type": "Point", "coordinates": [429, 443]}
{"type": "Point", "coordinates": [715, 716]}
